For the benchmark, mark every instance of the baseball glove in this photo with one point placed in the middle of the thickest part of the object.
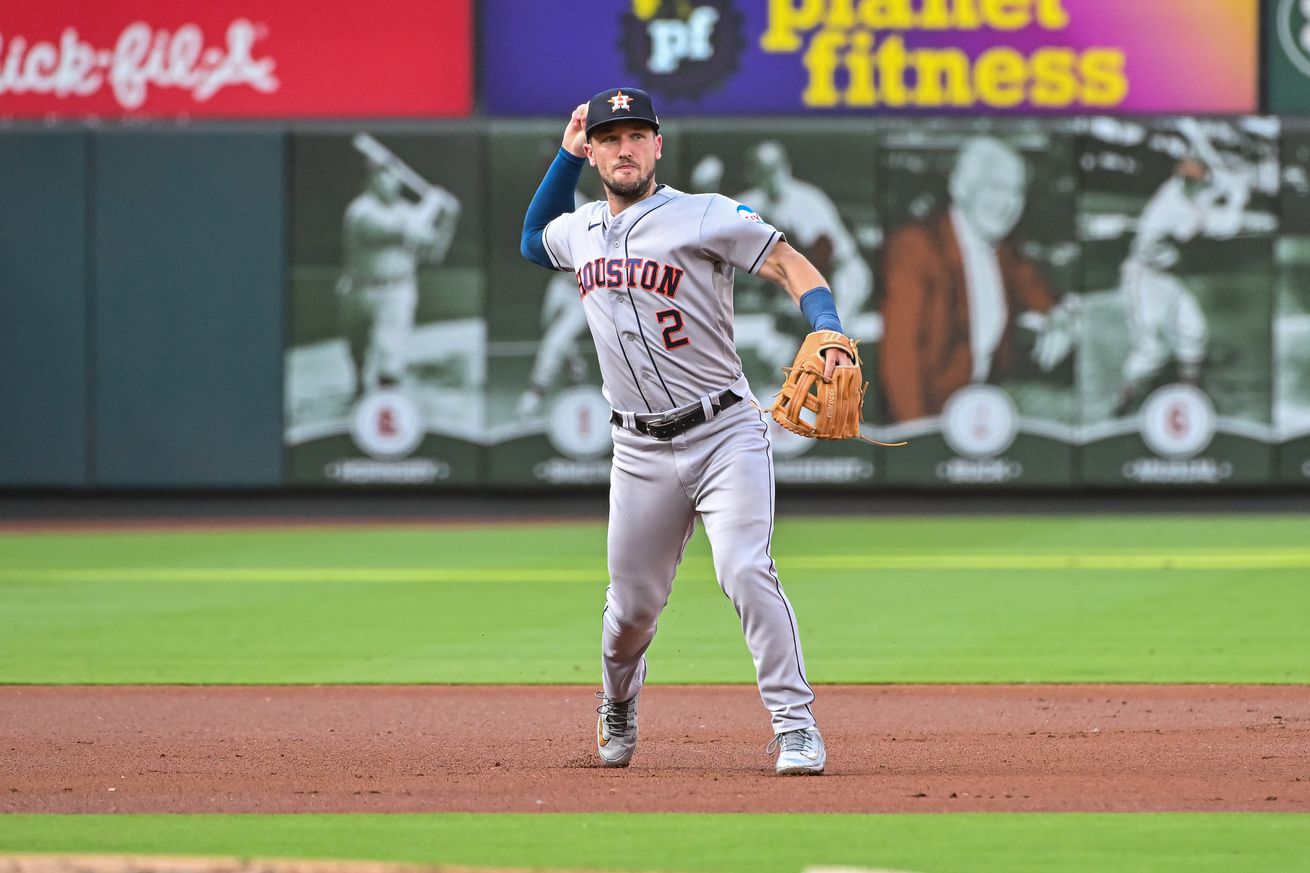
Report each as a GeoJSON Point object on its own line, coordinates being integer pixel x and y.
{"type": "Point", "coordinates": [819, 408]}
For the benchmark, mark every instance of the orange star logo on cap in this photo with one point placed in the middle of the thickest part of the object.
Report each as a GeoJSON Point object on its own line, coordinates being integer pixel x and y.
{"type": "Point", "coordinates": [620, 101]}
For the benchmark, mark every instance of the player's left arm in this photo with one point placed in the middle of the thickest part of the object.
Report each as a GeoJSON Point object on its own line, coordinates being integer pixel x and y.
{"type": "Point", "coordinates": [808, 290]}
{"type": "Point", "coordinates": [732, 233]}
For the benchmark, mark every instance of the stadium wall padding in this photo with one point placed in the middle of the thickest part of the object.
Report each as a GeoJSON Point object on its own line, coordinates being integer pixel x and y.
{"type": "Point", "coordinates": [147, 325]}
{"type": "Point", "coordinates": [44, 339]}
{"type": "Point", "coordinates": [189, 252]}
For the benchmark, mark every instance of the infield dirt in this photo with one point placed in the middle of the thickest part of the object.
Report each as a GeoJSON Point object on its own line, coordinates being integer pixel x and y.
{"type": "Point", "coordinates": [937, 748]}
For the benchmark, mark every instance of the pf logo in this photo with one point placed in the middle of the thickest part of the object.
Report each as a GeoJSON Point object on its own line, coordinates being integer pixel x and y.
{"type": "Point", "coordinates": [1178, 421]}
{"type": "Point", "coordinates": [386, 425]}
{"type": "Point", "coordinates": [682, 48]}
{"type": "Point", "coordinates": [979, 421]}
{"type": "Point", "coordinates": [673, 40]}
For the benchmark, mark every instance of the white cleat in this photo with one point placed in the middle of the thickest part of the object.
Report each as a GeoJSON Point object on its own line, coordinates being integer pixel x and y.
{"type": "Point", "coordinates": [801, 752]}
{"type": "Point", "coordinates": [616, 730]}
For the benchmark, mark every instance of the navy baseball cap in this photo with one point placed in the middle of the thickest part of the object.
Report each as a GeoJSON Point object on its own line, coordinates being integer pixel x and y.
{"type": "Point", "coordinates": [620, 104]}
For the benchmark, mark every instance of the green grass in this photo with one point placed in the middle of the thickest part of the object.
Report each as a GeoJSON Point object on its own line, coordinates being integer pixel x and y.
{"type": "Point", "coordinates": [952, 599]}
{"type": "Point", "coordinates": [1152, 599]}
{"type": "Point", "coordinates": [969, 843]}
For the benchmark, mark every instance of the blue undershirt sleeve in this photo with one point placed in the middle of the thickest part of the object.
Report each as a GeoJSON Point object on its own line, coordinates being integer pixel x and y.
{"type": "Point", "coordinates": [554, 198]}
{"type": "Point", "coordinates": [820, 309]}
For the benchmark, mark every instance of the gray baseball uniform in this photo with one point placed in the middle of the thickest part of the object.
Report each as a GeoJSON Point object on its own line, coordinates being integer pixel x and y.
{"type": "Point", "coordinates": [656, 284]}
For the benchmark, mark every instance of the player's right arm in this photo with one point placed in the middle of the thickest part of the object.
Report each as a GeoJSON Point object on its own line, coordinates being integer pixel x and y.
{"type": "Point", "coordinates": [554, 198]}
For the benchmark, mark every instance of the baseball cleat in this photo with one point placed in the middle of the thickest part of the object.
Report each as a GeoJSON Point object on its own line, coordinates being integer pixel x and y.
{"type": "Point", "coordinates": [616, 730]}
{"type": "Point", "coordinates": [801, 752]}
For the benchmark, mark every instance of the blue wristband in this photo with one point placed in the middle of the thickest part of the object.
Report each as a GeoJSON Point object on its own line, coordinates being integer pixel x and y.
{"type": "Point", "coordinates": [820, 309]}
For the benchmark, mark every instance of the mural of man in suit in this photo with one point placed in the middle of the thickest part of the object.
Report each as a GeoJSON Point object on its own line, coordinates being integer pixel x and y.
{"type": "Point", "coordinates": [957, 288]}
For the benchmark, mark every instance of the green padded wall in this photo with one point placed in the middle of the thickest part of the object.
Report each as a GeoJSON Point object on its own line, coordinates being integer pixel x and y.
{"type": "Point", "coordinates": [43, 303]}
{"type": "Point", "coordinates": [189, 258]}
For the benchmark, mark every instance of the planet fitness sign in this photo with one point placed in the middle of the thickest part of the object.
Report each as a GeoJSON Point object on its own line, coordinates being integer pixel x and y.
{"type": "Point", "coordinates": [860, 56]}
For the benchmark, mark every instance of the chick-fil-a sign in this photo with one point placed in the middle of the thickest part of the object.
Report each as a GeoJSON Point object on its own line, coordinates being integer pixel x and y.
{"type": "Point", "coordinates": [236, 59]}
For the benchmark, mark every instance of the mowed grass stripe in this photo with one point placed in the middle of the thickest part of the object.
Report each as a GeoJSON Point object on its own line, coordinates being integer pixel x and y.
{"type": "Point", "coordinates": [1231, 560]}
{"type": "Point", "coordinates": [722, 843]}
{"type": "Point", "coordinates": [1059, 599]}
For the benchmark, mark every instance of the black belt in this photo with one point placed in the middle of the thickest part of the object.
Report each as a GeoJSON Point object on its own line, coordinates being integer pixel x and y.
{"type": "Point", "coordinates": [664, 428]}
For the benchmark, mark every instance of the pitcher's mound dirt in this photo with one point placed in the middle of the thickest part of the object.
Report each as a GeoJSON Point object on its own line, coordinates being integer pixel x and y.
{"type": "Point", "coordinates": [931, 748]}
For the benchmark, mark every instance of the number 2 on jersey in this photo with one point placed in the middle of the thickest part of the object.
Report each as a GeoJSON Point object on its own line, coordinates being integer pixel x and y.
{"type": "Point", "coordinates": [671, 339]}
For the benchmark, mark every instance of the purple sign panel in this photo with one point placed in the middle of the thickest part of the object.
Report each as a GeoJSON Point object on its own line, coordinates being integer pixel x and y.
{"type": "Point", "coordinates": [754, 57]}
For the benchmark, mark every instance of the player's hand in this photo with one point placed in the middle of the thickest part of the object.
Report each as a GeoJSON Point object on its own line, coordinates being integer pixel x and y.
{"type": "Point", "coordinates": [1055, 333]}
{"type": "Point", "coordinates": [575, 135]}
{"type": "Point", "coordinates": [834, 358]}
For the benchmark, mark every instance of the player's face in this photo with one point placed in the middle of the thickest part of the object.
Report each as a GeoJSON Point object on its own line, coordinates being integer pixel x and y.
{"type": "Point", "coordinates": [1194, 174]}
{"type": "Point", "coordinates": [995, 200]}
{"type": "Point", "coordinates": [624, 155]}
{"type": "Point", "coordinates": [384, 184]}
{"type": "Point", "coordinates": [1190, 168]}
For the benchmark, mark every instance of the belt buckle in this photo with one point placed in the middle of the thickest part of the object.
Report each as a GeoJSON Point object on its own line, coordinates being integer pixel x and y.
{"type": "Point", "coordinates": [671, 427]}
{"type": "Point", "coordinates": [664, 430]}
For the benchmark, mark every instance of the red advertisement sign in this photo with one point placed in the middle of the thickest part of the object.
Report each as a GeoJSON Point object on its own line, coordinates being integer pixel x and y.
{"type": "Point", "coordinates": [236, 59]}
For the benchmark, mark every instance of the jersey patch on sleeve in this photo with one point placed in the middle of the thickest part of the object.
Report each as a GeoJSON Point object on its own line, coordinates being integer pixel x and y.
{"type": "Point", "coordinates": [745, 213]}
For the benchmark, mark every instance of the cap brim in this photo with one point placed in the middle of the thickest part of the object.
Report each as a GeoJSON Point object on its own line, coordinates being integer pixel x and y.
{"type": "Point", "coordinates": [598, 125]}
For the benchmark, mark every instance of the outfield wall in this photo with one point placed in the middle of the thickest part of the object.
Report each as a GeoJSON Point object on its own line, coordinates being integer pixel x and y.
{"type": "Point", "coordinates": [180, 304]}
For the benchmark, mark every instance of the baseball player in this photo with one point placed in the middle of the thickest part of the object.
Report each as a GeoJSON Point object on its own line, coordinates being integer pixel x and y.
{"type": "Point", "coordinates": [1164, 320]}
{"type": "Point", "coordinates": [385, 235]}
{"type": "Point", "coordinates": [654, 272]}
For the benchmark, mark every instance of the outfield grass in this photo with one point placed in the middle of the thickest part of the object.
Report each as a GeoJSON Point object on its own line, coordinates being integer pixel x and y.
{"type": "Point", "coordinates": [955, 599]}
{"type": "Point", "coordinates": [966, 843]}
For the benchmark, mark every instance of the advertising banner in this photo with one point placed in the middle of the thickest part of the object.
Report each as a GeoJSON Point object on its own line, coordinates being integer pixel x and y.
{"type": "Point", "coordinates": [1287, 56]}
{"type": "Point", "coordinates": [547, 421]}
{"type": "Point", "coordinates": [236, 59]}
{"type": "Point", "coordinates": [1177, 221]}
{"type": "Point", "coordinates": [975, 363]}
{"type": "Point", "coordinates": [1292, 312]}
{"type": "Point", "coordinates": [385, 376]}
{"type": "Point", "coordinates": [770, 57]}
